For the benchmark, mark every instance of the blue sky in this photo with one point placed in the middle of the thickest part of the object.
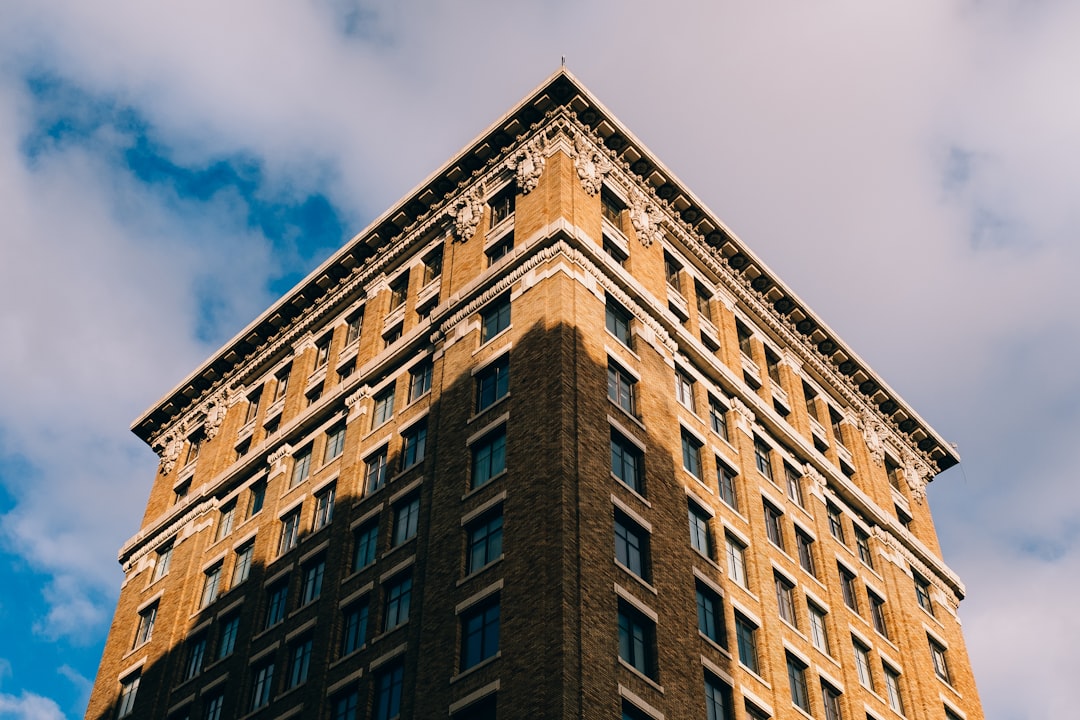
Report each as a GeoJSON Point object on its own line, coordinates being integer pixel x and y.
{"type": "Point", "coordinates": [168, 169]}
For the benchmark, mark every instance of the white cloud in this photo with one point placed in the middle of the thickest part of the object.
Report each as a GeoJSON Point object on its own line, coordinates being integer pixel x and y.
{"type": "Point", "coordinates": [28, 706]}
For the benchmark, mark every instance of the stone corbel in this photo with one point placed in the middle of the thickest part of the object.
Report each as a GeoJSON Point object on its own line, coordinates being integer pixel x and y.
{"type": "Point", "coordinates": [170, 452]}
{"type": "Point", "coordinates": [818, 482]}
{"type": "Point", "coordinates": [872, 431]}
{"type": "Point", "coordinates": [467, 212]}
{"type": "Point", "coordinates": [528, 164]}
{"type": "Point", "coordinates": [215, 413]}
{"type": "Point", "coordinates": [305, 342]}
{"type": "Point", "coordinates": [744, 416]}
{"type": "Point", "coordinates": [646, 219]}
{"type": "Point", "coordinates": [277, 459]}
{"type": "Point", "coordinates": [591, 166]}
{"type": "Point", "coordinates": [377, 285]}
{"type": "Point", "coordinates": [917, 474]}
{"type": "Point", "coordinates": [356, 403]}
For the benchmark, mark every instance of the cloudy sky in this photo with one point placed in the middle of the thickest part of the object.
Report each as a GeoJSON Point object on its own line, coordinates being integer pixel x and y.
{"type": "Point", "coordinates": [168, 169]}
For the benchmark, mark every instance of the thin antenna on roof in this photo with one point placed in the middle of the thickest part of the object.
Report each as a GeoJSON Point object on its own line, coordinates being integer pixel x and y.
{"type": "Point", "coordinates": [564, 61]}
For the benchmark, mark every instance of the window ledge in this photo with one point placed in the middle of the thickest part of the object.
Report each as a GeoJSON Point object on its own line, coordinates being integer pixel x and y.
{"type": "Point", "coordinates": [478, 571]}
{"type": "Point", "coordinates": [627, 414]}
{"type": "Point", "coordinates": [632, 491]}
{"type": "Point", "coordinates": [483, 411]}
{"type": "Point", "coordinates": [391, 631]}
{"type": "Point", "coordinates": [715, 645]}
{"type": "Point", "coordinates": [637, 673]}
{"type": "Point", "coordinates": [348, 656]}
{"type": "Point", "coordinates": [482, 664]}
{"type": "Point", "coordinates": [640, 580]}
{"type": "Point", "coordinates": [487, 483]}
{"type": "Point", "coordinates": [484, 344]}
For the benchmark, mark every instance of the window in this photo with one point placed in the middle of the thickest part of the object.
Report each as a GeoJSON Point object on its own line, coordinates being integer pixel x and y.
{"type": "Point", "coordinates": [796, 672]}
{"type": "Point", "coordinates": [805, 544]}
{"type": "Point", "coordinates": [433, 265]}
{"type": "Point", "coordinates": [937, 655]}
{"type": "Point", "coordinates": [895, 475]}
{"type": "Point", "coordinates": [892, 688]}
{"type": "Point", "coordinates": [502, 204]}
{"type": "Point", "coordinates": [773, 527]}
{"type": "Point", "coordinates": [290, 532]}
{"type": "Point", "coordinates": [819, 632]}
{"type": "Point", "coordinates": [392, 335]}
{"type": "Point", "coordinates": [785, 598]}
{"type": "Point", "coordinates": [835, 419]}
{"type": "Point", "coordinates": [710, 615]}
{"type": "Point", "coordinates": [617, 254]}
{"type": "Point", "coordinates": [492, 383]}
{"type": "Point", "coordinates": [700, 535]}
{"type": "Point", "coordinates": [637, 640]}
{"type": "Point", "coordinates": [703, 296]}
{"type": "Point", "coordinates": [495, 318]}
{"type": "Point", "coordinates": [346, 706]}
{"type": "Point", "coordinates": [691, 454]}
{"type": "Point", "coordinates": [262, 685]}
{"type": "Point", "coordinates": [717, 699]}
{"type": "Point", "coordinates": [671, 272]}
{"type": "Point", "coordinates": [314, 394]}
{"type": "Point", "coordinates": [626, 462]}
{"type": "Point", "coordinates": [617, 321]}
{"type": "Point", "coordinates": [180, 492]}
{"type": "Point", "coordinates": [762, 460]}
{"type": "Point", "coordinates": [230, 628]}
{"type": "Point", "coordinates": [335, 443]}
{"type": "Point", "coordinates": [794, 485]}
{"type": "Point", "coordinates": [753, 712]}
{"type": "Point", "coordinates": [746, 639]}
{"type": "Point", "coordinates": [282, 387]}
{"type": "Point", "coordinates": [213, 707]}
{"type": "Point", "coordinates": [489, 457]}
{"type": "Point", "coordinates": [631, 712]}
{"type": "Point", "coordinates": [922, 593]}
{"type": "Point", "coordinates": [811, 401]}
{"type": "Point", "coordinates": [499, 250]}
{"type": "Point", "coordinates": [903, 517]}
{"type": "Point", "coordinates": [387, 703]}
{"type": "Point", "coordinates": [196, 650]}
{"type": "Point", "coordinates": [736, 560]}
{"type": "Point", "coordinates": [354, 627]}
{"type": "Point", "coordinates": [484, 542]}
{"type": "Point", "coordinates": [718, 418]}
{"type": "Point", "coordinates": [836, 525]}
{"type": "Point", "coordinates": [631, 546]}
{"type": "Point", "coordinates": [684, 390]}
{"type": "Point", "coordinates": [322, 352]}
{"type": "Point", "coordinates": [346, 370]}
{"type": "Point", "coordinates": [129, 687]}
{"type": "Point", "coordinates": [353, 325]}
{"type": "Point", "coordinates": [324, 507]}
{"type": "Point", "coordinates": [313, 580]}
{"type": "Point", "coordinates": [620, 387]}
{"type": "Point", "coordinates": [414, 444]}
{"type": "Point", "coordinates": [420, 380]}
{"type": "Point", "coordinates": [145, 630]}
{"type": "Point", "coordinates": [301, 467]}
{"type": "Point", "coordinates": [479, 633]}
{"type": "Point", "coordinates": [399, 290]}
{"type": "Point", "coordinates": [862, 542]}
{"type": "Point", "coordinates": [725, 481]}
{"type": "Point", "coordinates": [225, 521]}
{"type": "Point", "coordinates": [862, 664]}
{"type": "Point", "coordinates": [257, 498]}
{"type": "Point", "coordinates": [398, 595]}
{"type": "Point", "coordinates": [277, 596]}
{"type": "Point", "coordinates": [164, 559]}
{"type": "Point", "coordinates": [772, 365]}
{"type": "Point", "coordinates": [384, 407]}
{"type": "Point", "coordinates": [483, 709]}
{"type": "Point", "coordinates": [877, 613]}
{"type": "Point", "coordinates": [375, 470]}
{"type": "Point", "coordinates": [406, 518]}
{"type": "Point", "coordinates": [847, 587]}
{"type": "Point", "coordinates": [242, 566]}
{"type": "Point", "coordinates": [365, 539]}
{"type": "Point", "coordinates": [830, 698]}
{"type": "Point", "coordinates": [299, 662]}
{"type": "Point", "coordinates": [744, 339]}
{"type": "Point", "coordinates": [252, 405]}
{"type": "Point", "coordinates": [611, 208]}
{"type": "Point", "coordinates": [211, 585]}
{"type": "Point", "coordinates": [195, 442]}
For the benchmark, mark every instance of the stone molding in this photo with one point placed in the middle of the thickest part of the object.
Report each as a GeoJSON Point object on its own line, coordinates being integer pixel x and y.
{"type": "Point", "coordinates": [590, 163]}
{"type": "Point", "coordinates": [528, 164]}
{"type": "Point", "coordinates": [468, 210]}
{"type": "Point", "coordinates": [950, 586]}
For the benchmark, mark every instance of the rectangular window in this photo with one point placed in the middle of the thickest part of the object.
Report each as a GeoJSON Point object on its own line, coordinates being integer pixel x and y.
{"type": "Point", "coordinates": [213, 707]}
{"type": "Point", "coordinates": [433, 264]}
{"type": "Point", "coordinates": [502, 204]}
{"type": "Point", "coordinates": [484, 542]}
{"type": "Point", "coordinates": [290, 532]}
{"type": "Point", "coordinates": [637, 640]}
{"type": "Point", "coordinates": [420, 380]}
{"type": "Point", "coordinates": [226, 516]}
{"type": "Point", "coordinates": [299, 662]}
{"type": "Point", "coordinates": [399, 290]}
{"type": "Point", "coordinates": [282, 385]}
{"type": "Point", "coordinates": [744, 340]}
{"type": "Point", "coordinates": [375, 470]}
{"type": "Point", "coordinates": [805, 544]}
{"type": "Point", "coordinates": [691, 454]}
{"type": "Point", "coordinates": [614, 251]}
{"type": "Point", "coordinates": [703, 296]}
{"type": "Point", "coordinates": [717, 699]}
{"type": "Point", "coordinates": [392, 335]}
{"type": "Point", "coordinates": [617, 321]}
{"type": "Point", "coordinates": [700, 534]}
{"type": "Point", "coordinates": [129, 688]}
{"type": "Point", "coordinates": [479, 633]}
{"type": "Point", "coordinates": [922, 593]}
{"type": "Point", "coordinates": [725, 481]}
{"type": "Point", "coordinates": [211, 585]}
{"type": "Point", "coordinates": [313, 574]}
{"type": "Point", "coordinates": [406, 519]}
{"type": "Point", "coordinates": [492, 383]}
{"type": "Point", "coordinates": [627, 462]}
{"type": "Point", "coordinates": [620, 387]}
{"type": "Point", "coordinates": [631, 546]}
{"type": "Point", "coordinates": [346, 370]}
{"type": "Point", "coordinates": [796, 672]}
{"type": "Point", "coordinates": [736, 560]}
{"type": "Point", "coordinates": [398, 597]}
{"type": "Point", "coordinates": [836, 525]}
{"type": "Point", "coordinates": [489, 457]}
{"type": "Point", "coordinates": [276, 599]}
{"type": "Point", "coordinates": [365, 540]}
{"type": "Point", "coordinates": [772, 365]}
{"type": "Point", "coordinates": [230, 628]}
{"type": "Point", "coordinates": [163, 560]}
{"type": "Point", "coordinates": [257, 498]}
{"type": "Point", "coordinates": [495, 318]}
{"type": "Point", "coordinates": [252, 405]}
{"type": "Point", "coordinates": [892, 687]}
{"type": "Point", "coordinates": [262, 686]}
{"type": "Point", "coordinates": [195, 442]}
{"type": "Point", "coordinates": [354, 627]}
{"type": "Point", "coordinates": [847, 587]}
{"type": "Point", "coordinates": [773, 525]}
{"type": "Point", "coordinates": [937, 655]}
{"type": "Point", "coordinates": [819, 632]}
{"type": "Point", "coordinates": [746, 638]}
{"type": "Point", "coordinates": [830, 698]}
{"type": "Point", "coordinates": [499, 250]}
{"type": "Point", "coordinates": [301, 467]}
{"type": "Point", "coordinates": [322, 352]}
{"type": "Point", "coordinates": [335, 443]}
{"type": "Point", "coordinates": [324, 507]}
{"type": "Point", "coordinates": [387, 702]}
{"type": "Point", "coordinates": [877, 613]}
{"type": "Point", "coordinates": [353, 325]}
{"type": "Point", "coordinates": [671, 272]}
{"type": "Point", "coordinates": [811, 401]}
{"type": "Point", "coordinates": [710, 615]}
{"type": "Point", "coordinates": [762, 459]}
{"type": "Point", "coordinates": [835, 419]}
{"type": "Point", "coordinates": [242, 566]}
{"type": "Point", "coordinates": [794, 485]}
{"type": "Point", "coordinates": [718, 418]}
{"type": "Point", "coordinates": [145, 630]}
{"type": "Point", "coordinates": [862, 664]}
{"type": "Point", "coordinates": [612, 208]}
{"type": "Point", "coordinates": [862, 542]}
{"type": "Point", "coordinates": [196, 650]}
{"type": "Point", "coordinates": [785, 598]}
{"type": "Point", "coordinates": [414, 444]}
{"type": "Point", "coordinates": [684, 390]}
{"type": "Point", "coordinates": [895, 474]}
{"type": "Point", "coordinates": [384, 407]}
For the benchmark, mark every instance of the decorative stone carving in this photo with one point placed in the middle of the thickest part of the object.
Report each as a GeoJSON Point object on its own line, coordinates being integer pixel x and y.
{"type": "Point", "coordinates": [282, 452]}
{"type": "Point", "coordinates": [215, 413]}
{"type": "Point", "coordinates": [811, 472]}
{"type": "Point", "coordinates": [170, 453]}
{"type": "Point", "coordinates": [917, 474]}
{"type": "Point", "coordinates": [528, 164]}
{"type": "Point", "coordinates": [468, 210]}
{"type": "Point", "coordinates": [591, 166]}
{"type": "Point", "coordinates": [872, 430]}
{"type": "Point", "coordinates": [356, 404]}
{"type": "Point", "coordinates": [744, 416]}
{"type": "Point", "coordinates": [646, 218]}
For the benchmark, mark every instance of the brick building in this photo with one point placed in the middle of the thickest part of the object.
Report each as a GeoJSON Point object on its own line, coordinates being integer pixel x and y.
{"type": "Point", "coordinates": [545, 441]}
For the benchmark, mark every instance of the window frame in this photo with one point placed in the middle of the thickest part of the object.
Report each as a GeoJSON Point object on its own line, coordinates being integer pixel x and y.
{"type": "Point", "coordinates": [796, 671]}
{"type": "Point", "coordinates": [701, 537]}
{"type": "Point", "coordinates": [488, 458]}
{"type": "Point", "coordinates": [637, 639]}
{"type": "Point", "coordinates": [406, 520]}
{"type": "Point", "coordinates": [495, 318]}
{"type": "Point", "coordinates": [618, 322]}
{"type": "Point", "coordinates": [632, 546]}
{"type": "Point", "coordinates": [710, 613]}
{"type": "Point", "coordinates": [627, 464]}
{"type": "Point", "coordinates": [480, 630]}
{"type": "Point", "coordinates": [492, 382]}
{"type": "Point", "coordinates": [481, 535]}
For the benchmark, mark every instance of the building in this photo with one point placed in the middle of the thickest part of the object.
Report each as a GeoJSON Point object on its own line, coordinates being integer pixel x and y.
{"type": "Point", "coordinates": [545, 441]}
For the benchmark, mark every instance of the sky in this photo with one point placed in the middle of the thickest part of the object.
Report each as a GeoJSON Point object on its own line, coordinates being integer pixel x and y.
{"type": "Point", "coordinates": [910, 169]}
